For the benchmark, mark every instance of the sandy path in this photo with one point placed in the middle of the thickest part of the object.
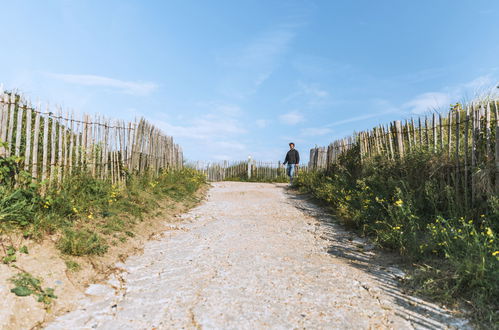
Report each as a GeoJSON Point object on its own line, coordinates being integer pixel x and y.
{"type": "Point", "coordinates": [254, 256]}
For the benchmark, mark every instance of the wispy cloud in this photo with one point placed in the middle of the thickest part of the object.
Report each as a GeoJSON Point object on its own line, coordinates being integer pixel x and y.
{"type": "Point", "coordinates": [128, 87]}
{"type": "Point", "coordinates": [427, 102]}
{"type": "Point", "coordinates": [362, 117]}
{"type": "Point", "coordinates": [249, 65]}
{"type": "Point", "coordinates": [206, 128]}
{"type": "Point", "coordinates": [312, 94]}
{"type": "Point", "coordinates": [315, 131]}
{"type": "Point", "coordinates": [481, 86]}
{"type": "Point", "coordinates": [262, 123]}
{"type": "Point", "coordinates": [291, 118]}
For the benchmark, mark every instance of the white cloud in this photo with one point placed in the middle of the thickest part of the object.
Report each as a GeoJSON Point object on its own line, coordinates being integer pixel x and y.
{"type": "Point", "coordinates": [221, 108]}
{"type": "Point", "coordinates": [291, 118]}
{"type": "Point", "coordinates": [427, 101]}
{"type": "Point", "coordinates": [208, 127]}
{"type": "Point", "coordinates": [312, 94]}
{"type": "Point", "coordinates": [248, 66]}
{"type": "Point", "coordinates": [262, 123]}
{"type": "Point", "coordinates": [128, 87]}
{"type": "Point", "coordinates": [315, 131]}
{"type": "Point", "coordinates": [479, 87]}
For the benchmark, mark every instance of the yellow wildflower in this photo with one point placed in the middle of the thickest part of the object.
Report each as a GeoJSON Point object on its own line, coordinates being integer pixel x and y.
{"type": "Point", "coordinates": [490, 233]}
{"type": "Point", "coordinates": [495, 253]}
{"type": "Point", "coordinates": [90, 216]}
{"type": "Point", "coordinates": [399, 202]}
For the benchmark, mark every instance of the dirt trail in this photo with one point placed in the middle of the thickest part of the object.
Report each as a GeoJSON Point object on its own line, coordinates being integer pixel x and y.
{"type": "Point", "coordinates": [254, 256]}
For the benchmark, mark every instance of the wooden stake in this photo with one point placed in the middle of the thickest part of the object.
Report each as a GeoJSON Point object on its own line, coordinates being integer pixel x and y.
{"type": "Point", "coordinates": [36, 134]}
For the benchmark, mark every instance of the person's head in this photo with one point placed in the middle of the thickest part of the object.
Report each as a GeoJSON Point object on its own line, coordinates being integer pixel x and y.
{"type": "Point", "coordinates": [291, 145]}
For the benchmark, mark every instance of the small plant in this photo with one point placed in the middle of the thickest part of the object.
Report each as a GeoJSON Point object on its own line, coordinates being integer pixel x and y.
{"type": "Point", "coordinates": [26, 284]}
{"type": "Point", "coordinates": [72, 266]}
{"type": "Point", "coordinates": [81, 242]}
{"type": "Point", "coordinates": [10, 255]}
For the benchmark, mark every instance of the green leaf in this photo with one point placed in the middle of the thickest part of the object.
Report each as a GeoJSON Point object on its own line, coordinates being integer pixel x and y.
{"type": "Point", "coordinates": [9, 259]}
{"type": "Point", "coordinates": [21, 291]}
{"type": "Point", "coordinates": [11, 251]}
{"type": "Point", "coordinates": [24, 249]}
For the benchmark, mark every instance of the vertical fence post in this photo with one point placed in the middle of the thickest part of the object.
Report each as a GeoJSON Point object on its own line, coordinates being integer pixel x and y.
{"type": "Point", "coordinates": [400, 143]}
{"type": "Point", "coordinates": [496, 112]}
{"type": "Point", "coordinates": [249, 167]}
{"type": "Point", "coordinates": [36, 133]}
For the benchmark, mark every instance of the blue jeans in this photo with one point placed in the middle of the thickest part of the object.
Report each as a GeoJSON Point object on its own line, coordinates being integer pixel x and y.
{"type": "Point", "coordinates": [290, 171]}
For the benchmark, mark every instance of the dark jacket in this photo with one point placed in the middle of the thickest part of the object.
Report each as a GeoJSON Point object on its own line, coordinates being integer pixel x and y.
{"type": "Point", "coordinates": [292, 157]}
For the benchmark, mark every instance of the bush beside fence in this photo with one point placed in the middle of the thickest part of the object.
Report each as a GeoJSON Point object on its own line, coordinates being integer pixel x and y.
{"type": "Point", "coordinates": [428, 191]}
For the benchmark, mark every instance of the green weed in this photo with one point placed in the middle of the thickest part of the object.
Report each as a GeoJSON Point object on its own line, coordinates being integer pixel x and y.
{"type": "Point", "coordinates": [26, 284]}
{"type": "Point", "coordinates": [81, 242]}
{"type": "Point", "coordinates": [72, 266]}
{"type": "Point", "coordinates": [409, 205]}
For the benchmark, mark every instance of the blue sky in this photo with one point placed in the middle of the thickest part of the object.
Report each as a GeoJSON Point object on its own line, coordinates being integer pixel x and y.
{"type": "Point", "coordinates": [230, 79]}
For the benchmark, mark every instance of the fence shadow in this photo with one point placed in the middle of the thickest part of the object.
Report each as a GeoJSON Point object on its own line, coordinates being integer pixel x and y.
{"type": "Point", "coordinates": [383, 267]}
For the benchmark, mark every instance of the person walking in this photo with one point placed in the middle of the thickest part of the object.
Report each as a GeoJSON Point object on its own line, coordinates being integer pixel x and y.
{"type": "Point", "coordinates": [292, 160]}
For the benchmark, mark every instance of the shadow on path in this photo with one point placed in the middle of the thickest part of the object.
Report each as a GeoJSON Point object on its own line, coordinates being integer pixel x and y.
{"type": "Point", "coordinates": [380, 265]}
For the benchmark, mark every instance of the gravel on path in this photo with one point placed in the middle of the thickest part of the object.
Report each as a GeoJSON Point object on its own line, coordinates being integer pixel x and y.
{"type": "Point", "coordinates": [255, 256]}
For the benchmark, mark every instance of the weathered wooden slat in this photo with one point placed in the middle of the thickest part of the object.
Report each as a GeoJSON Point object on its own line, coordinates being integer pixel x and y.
{"type": "Point", "coordinates": [441, 131]}
{"type": "Point", "coordinates": [390, 141]}
{"type": "Point", "coordinates": [449, 135]}
{"type": "Point", "coordinates": [45, 147]}
{"type": "Point", "coordinates": [36, 134]}
{"type": "Point", "coordinates": [466, 157]}
{"type": "Point", "coordinates": [12, 110]}
{"type": "Point", "coordinates": [27, 152]}
{"type": "Point", "coordinates": [473, 153]}
{"type": "Point", "coordinates": [4, 120]}
{"type": "Point", "coordinates": [71, 144]}
{"type": "Point", "coordinates": [60, 153]}
{"type": "Point", "coordinates": [19, 132]}
{"type": "Point", "coordinates": [400, 144]}
{"type": "Point", "coordinates": [434, 131]}
{"type": "Point", "coordinates": [53, 146]}
{"type": "Point", "coordinates": [496, 112]}
{"type": "Point", "coordinates": [457, 160]}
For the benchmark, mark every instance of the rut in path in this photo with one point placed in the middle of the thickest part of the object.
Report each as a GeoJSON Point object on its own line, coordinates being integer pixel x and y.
{"type": "Point", "coordinates": [254, 256]}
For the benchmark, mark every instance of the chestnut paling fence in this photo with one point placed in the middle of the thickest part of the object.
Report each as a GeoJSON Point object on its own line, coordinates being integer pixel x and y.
{"type": "Point", "coordinates": [467, 139]}
{"type": "Point", "coordinates": [51, 144]}
{"type": "Point", "coordinates": [250, 169]}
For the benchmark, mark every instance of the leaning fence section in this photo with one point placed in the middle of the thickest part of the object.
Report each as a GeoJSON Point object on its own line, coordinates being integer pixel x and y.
{"type": "Point", "coordinates": [466, 138]}
{"type": "Point", "coordinates": [51, 144]}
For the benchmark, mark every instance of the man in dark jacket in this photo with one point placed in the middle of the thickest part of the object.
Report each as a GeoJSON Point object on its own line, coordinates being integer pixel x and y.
{"type": "Point", "coordinates": [292, 159]}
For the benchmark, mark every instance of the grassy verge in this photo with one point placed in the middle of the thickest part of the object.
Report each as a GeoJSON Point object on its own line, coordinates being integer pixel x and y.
{"type": "Point", "coordinates": [84, 216]}
{"type": "Point", "coordinates": [404, 206]}
{"type": "Point", "coordinates": [87, 214]}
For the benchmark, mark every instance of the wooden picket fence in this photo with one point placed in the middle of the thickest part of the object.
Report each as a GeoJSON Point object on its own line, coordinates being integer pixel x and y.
{"type": "Point", "coordinates": [250, 169]}
{"type": "Point", "coordinates": [468, 138]}
{"type": "Point", "coordinates": [52, 144]}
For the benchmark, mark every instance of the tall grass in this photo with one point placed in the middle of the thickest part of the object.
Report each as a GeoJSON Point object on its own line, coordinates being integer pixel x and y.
{"type": "Point", "coordinates": [86, 213]}
{"type": "Point", "coordinates": [404, 205]}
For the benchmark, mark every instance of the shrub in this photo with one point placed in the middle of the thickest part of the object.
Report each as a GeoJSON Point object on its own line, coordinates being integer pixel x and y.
{"type": "Point", "coordinates": [81, 242]}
